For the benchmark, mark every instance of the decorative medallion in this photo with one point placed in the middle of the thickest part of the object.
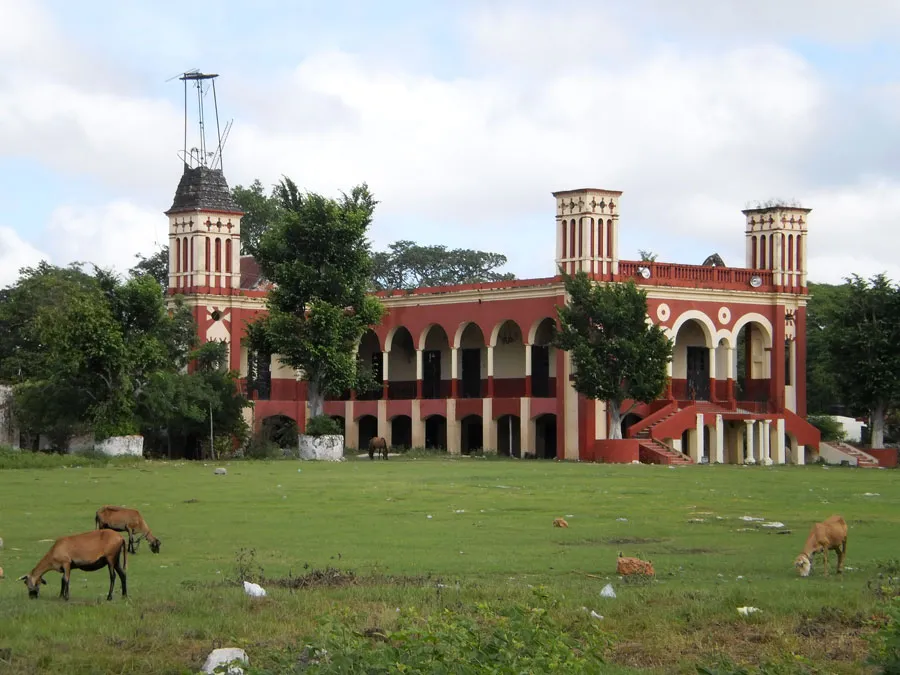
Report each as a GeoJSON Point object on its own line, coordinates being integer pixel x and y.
{"type": "Point", "coordinates": [724, 316]}
{"type": "Point", "coordinates": [663, 312]}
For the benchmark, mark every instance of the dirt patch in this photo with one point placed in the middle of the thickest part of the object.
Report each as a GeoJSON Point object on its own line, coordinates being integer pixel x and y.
{"type": "Point", "coordinates": [691, 551]}
{"type": "Point", "coordinates": [631, 540]}
{"type": "Point", "coordinates": [330, 577]}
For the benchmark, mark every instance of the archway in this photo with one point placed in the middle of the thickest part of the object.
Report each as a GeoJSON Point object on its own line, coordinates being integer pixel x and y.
{"type": "Point", "coordinates": [753, 367]}
{"type": "Point", "coordinates": [543, 360]}
{"type": "Point", "coordinates": [472, 362]}
{"type": "Point", "coordinates": [280, 430]}
{"type": "Point", "coordinates": [436, 361]}
{"type": "Point", "coordinates": [509, 360]}
{"type": "Point", "coordinates": [509, 436]}
{"type": "Point", "coordinates": [401, 431]}
{"type": "Point", "coordinates": [402, 366]}
{"type": "Point", "coordinates": [545, 436]}
{"type": "Point", "coordinates": [436, 432]}
{"type": "Point", "coordinates": [629, 421]}
{"type": "Point", "coordinates": [368, 429]}
{"type": "Point", "coordinates": [691, 367]}
{"type": "Point", "coordinates": [371, 363]}
{"type": "Point", "coordinates": [471, 435]}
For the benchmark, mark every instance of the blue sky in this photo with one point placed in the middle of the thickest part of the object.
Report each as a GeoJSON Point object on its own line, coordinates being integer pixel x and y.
{"type": "Point", "coordinates": [463, 116]}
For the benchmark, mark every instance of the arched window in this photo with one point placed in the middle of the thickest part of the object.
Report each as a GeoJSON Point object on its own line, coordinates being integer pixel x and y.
{"type": "Point", "coordinates": [208, 260]}
{"type": "Point", "coordinates": [771, 251]}
{"type": "Point", "coordinates": [565, 240]}
{"type": "Point", "coordinates": [228, 255]}
{"type": "Point", "coordinates": [191, 258]}
{"type": "Point", "coordinates": [184, 254]}
{"type": "Point", "coordinates": [218, 254]}
{"type": "Point", "coordinates": [572, 238]}
{"type": "Point", "coordinates": [609, 228]}
{"type": "Point", "coordinates": [799, 252]}
{"type": "Point", "coordinates": [790, 252]}
{"type": "Point", "coordinates": [177, 255]}
{"type": "Point", "coordinates": [753, 253]}
{"type": "Point", "coordinates": [762, 251]}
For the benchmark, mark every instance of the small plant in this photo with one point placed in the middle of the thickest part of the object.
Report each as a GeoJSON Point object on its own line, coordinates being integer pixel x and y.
{"type": "Point", "coordinates": [829, 427]}
{"type": "Point", "coordinates": [885, 644]}
{"type": "Point", "coordinates": [246, 568]}
{"type": "Point", "coordinates": [323, 425]}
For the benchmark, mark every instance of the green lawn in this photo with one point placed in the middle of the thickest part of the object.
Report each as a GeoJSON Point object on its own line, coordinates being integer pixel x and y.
{"type": "Point", "coordinates": [488, 539]}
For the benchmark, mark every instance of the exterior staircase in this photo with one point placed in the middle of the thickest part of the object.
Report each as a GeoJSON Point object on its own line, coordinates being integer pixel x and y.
{"type": "Point", "coordinates": [863, 459]}
{"type": "Point", "coordinates": [653, 451]}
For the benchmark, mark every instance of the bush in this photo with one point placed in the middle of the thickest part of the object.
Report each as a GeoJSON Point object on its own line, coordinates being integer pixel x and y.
{"type": "Point", "coordinates": [885, 650]}
{"type": "Point", "coordinates": [830, 428]}
{"type": "Point", "coordinates": [261, 447]}
{"type": "Point", "coordinates": [323, 425]}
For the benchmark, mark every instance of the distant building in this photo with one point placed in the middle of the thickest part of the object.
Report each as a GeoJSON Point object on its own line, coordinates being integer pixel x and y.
{"type": "Point", "coordinates": [470, 367]}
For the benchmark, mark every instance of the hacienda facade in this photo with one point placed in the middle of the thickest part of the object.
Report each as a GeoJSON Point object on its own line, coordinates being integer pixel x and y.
{"type": "Point", "coordinates": [471, 367]}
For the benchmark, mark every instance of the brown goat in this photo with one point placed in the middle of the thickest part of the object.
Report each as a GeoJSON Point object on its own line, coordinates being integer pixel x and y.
{"type": "Point", "coordinates": [378, 443]}
{"type": "Point", "coordinates": [829, 535]}
{"type": "Point", "coordinates": [88, 551]}
{"type": "Point", "coordinates": [120, 519]}
{"type": "Point", "coordinates": [626, 566]}
{"type": "Point", "coordinates": [560, 522]}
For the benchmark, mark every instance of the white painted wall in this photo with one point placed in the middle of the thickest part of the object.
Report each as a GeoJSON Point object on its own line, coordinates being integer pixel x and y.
{"type": "Point", "coordinates": [852, 427]}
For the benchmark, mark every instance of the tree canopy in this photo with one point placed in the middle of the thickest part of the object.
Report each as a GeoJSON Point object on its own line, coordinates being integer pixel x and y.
{"type": "Point", "coordinates": [824, 393]}
{"type": "Point", "coordinates": [862, 339]}
{"type": "Point", "coordinates": [407, 265]}
{"type": "Point", "coordinates": [317, 255]}
{"type": "Point", "coordinates": [616, 355]}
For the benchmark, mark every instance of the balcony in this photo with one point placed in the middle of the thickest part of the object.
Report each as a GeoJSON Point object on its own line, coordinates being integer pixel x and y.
{"type": "Point", "coordinates": [696, 276]}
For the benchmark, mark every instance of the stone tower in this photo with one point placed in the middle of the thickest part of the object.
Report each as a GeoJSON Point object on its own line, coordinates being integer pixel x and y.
{"type": "Point", "coordinates": [587, 231]}
{"type": "Point", "coordinates": [776, 240]}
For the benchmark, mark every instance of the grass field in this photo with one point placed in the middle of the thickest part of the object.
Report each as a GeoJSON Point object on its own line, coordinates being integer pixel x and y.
{"type": "Point", "coordinates": [435, 533]}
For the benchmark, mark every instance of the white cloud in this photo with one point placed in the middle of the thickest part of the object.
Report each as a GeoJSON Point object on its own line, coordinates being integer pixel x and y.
{"type": "Point", "coordinates": [108, 235]}
{"type": "Point", "coordinates": [14, 255]}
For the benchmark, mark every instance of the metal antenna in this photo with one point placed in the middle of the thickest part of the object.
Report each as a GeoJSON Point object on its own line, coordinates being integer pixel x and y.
{"type": "Point", "coordinates": [201, 155]}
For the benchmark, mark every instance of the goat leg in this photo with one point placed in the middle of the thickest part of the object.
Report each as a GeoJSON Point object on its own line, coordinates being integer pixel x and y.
{"type": "Point", "coordinates": [112, 582]}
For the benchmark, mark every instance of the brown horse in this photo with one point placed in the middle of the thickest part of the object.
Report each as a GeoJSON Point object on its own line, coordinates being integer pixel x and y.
{"type": "Point", "coordinates": [378, 443]}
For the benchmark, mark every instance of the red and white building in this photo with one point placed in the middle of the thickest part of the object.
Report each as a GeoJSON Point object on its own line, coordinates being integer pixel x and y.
{"type": "Point", "coordinates": [470, 367]}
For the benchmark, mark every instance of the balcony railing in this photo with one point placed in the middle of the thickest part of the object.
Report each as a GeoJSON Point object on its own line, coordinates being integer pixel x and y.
{"type": "Point", "coordinates": [672, 274]}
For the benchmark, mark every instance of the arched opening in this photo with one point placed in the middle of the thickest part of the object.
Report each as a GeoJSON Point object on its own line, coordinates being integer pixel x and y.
{"type": "Point", "coordinates": [436, 432]}
{"type": "Point", "coordinates": [509, 361]}
{"type": "Point", "coordinates": [280, 430]}
{"type": "Point", "coordinates": [436, 364]}
{"type": "Point", "coordinates": [545, 436]}
{"type": "Point", "coordinates": [368, 429]}
{"type": "Point", "coordinates": [753, 353]}
{"type": "Point", "coordinates": [371, 366]}
{"type": "Point", "coordinates": [401, 431]}
{"type": "Point", "coordinates": [402, 366]}
{"type": "Point", "coordinates": [218, 254]}
{"type": "Point", "coordinates": [227, 253]}
{"type": "Point", "coordinates": [509, 436]}
{"type": "Point", "coordinates": [762, 252]}
{"type": "Point", "coordinates": [629, 421]}
{"type": "Point", "coordinates": [543, 360]}
{"type": "Point", "coordinates": [473, 364]}
{"type": "Point", "coordinates": [690, 363]}
{"type": "Point", "coordinates": [471, 437]}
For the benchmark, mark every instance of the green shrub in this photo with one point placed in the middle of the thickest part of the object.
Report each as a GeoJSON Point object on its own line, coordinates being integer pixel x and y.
{"type": "Point", "coordinates": [323, 425]}
{"type": "Point", "coordinates": [830, 428]}
{"type": "Point", "coordinates": [885, 644]}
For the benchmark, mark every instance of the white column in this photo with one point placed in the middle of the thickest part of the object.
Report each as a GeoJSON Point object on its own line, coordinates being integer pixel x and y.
{"type": "Point", "coordinates": [695, 439]}
{"type": "Point", "coordinates": [490, 361]}
{"type": "Point", "coordinates": [385, 360]}
{"type": "Point", "coordinates": [729, 364]}
{"type": "Point", "coordinates": [779, 441]}
{"type": "Point", "coordinates": [419, 364]}
{"type": "Point", "coordinates": [717, 454]}
{"type": "Point", "coordinates": [751, 454]}
{"type": "Point", "coordinates": [418, 424]}
{"type": "Point", "coordinates": [453, 428]}
{"type": "Point", "coordinates": [527, 360]}
{"type": "Point", "coordinates": [803, 260]}
{"type": "Point", "coordinates": [765, 441]}
{"type": "Point", "coordinates": [799, 453]}
{"type": "Point", "coordinates": [488, 426]}
{"type": "Point", "coordinates": [384, 429]}
{"type": "Point", "coordinates": [454, 374]}
{"type": "Point", "coordinates": [526, 444]}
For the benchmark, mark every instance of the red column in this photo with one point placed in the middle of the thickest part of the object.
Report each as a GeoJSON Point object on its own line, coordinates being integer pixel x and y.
{"type": "Point", "coordinates": [528, 385]}
{"type": "Point", "coordinates": [454, 388]}
{"type": "Point", "coordinates": [384, 390]}
{"type": "Point", "coordinates": [490, 386]}
{"type": "Point", "coordinates": [418, 389]}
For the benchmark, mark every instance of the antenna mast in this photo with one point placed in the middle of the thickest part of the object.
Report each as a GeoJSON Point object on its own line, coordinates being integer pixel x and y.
{"type": "Point", "coordinates": [199, 156]}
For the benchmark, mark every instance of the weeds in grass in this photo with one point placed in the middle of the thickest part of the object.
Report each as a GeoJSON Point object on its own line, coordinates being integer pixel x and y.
{"type": "Point", "coordinates": [886, 582]}
{"type": "Point", "coordinates": [500, 640]}
{"type": "Point", "coordinates": [885, 643]}
{"type": "Point", "coordinates": [27, 459]}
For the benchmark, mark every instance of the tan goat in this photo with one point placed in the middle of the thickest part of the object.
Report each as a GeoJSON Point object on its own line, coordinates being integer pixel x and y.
{"type": "Point", "coordinates": [120, 519]}
{"type": "Point", "coordinates": [829, 535]}
{"type": "Point", "coordinates": [88, 551]}
{"type": "Point", "coordinates": [626, 566]}
{"type": "Point", "coordinates": [560, 522]}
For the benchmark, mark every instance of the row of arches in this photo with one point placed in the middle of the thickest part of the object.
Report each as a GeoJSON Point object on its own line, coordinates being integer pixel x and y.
{"type": "Point", "coordinates": [763, 253]}
{"type": "Point", "coordinates": [185, 262]}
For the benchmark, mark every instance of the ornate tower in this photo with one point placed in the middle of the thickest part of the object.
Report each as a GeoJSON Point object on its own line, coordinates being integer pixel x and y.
{"type": "Point", "coordinates": [776, 240]}
{"type": "Point", "coordinates": [204, 220]}
{"type": "Point", "coordinates": [587, 231]}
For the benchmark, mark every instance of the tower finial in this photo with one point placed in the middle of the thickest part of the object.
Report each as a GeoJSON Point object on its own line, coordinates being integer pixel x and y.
{"type": "Point", "coordinates": [198, 155]}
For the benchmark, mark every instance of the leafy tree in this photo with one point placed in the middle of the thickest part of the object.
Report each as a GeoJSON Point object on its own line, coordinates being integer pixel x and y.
{"type": "Point", "coordinates": [647, 256]}
{"type": "Point", "coordinates": [617, 356]}
{"type": "Point", "coordinates": [862, 339]}
{"type": "Point", "coordinates": [260, 212]}
{"type": "Point", "coordinates": [824, 394]}
{"type": "Point", "coordinates": [156, 266]}
{"type": "Point", "coordinates": [407, 265]}
{"type": "Point", "coordinates": [317, 256]}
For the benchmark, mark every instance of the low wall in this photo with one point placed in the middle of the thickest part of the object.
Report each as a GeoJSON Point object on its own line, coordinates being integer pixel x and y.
{"type": "Point", "coordinates": [9, 434]}
{"type": "Point", "coordinates": [833, 455]}
{"type": "Point", "coordinates": [327, 448]}
{"type": "Point", "coordinates": [887, 457]}
{"type": "Point", "coordinates": [118, 446]}
{"type": "Point", "coordinates": [620, 451]}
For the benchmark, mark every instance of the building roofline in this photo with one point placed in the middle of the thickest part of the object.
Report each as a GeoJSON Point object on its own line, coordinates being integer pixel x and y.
{"type": "Point", "coordinates": [560, 193]}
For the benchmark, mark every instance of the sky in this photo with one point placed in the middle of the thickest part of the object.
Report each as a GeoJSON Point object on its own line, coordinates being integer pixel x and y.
{"type": "Point", "coordinates": [462, 116]}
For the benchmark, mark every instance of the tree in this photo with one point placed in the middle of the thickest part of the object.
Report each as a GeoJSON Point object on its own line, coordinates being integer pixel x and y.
{"type": "Point", "coordinates": [317, 255]}
{"type": "Point", "coordinates": [260, 212]}
{"type": "Point", "coordinates": [647, 256]}
{"type": "Point", "coordinates": [156, 267]}
{"type": "Point", "coordinates": [407, 265]}
{"type": "Point", "coordinates": [824, 394]}
{"type": "Point", "coordinates": [862, 340]}
{"type": "Point", "coordinates": [616, 355]}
